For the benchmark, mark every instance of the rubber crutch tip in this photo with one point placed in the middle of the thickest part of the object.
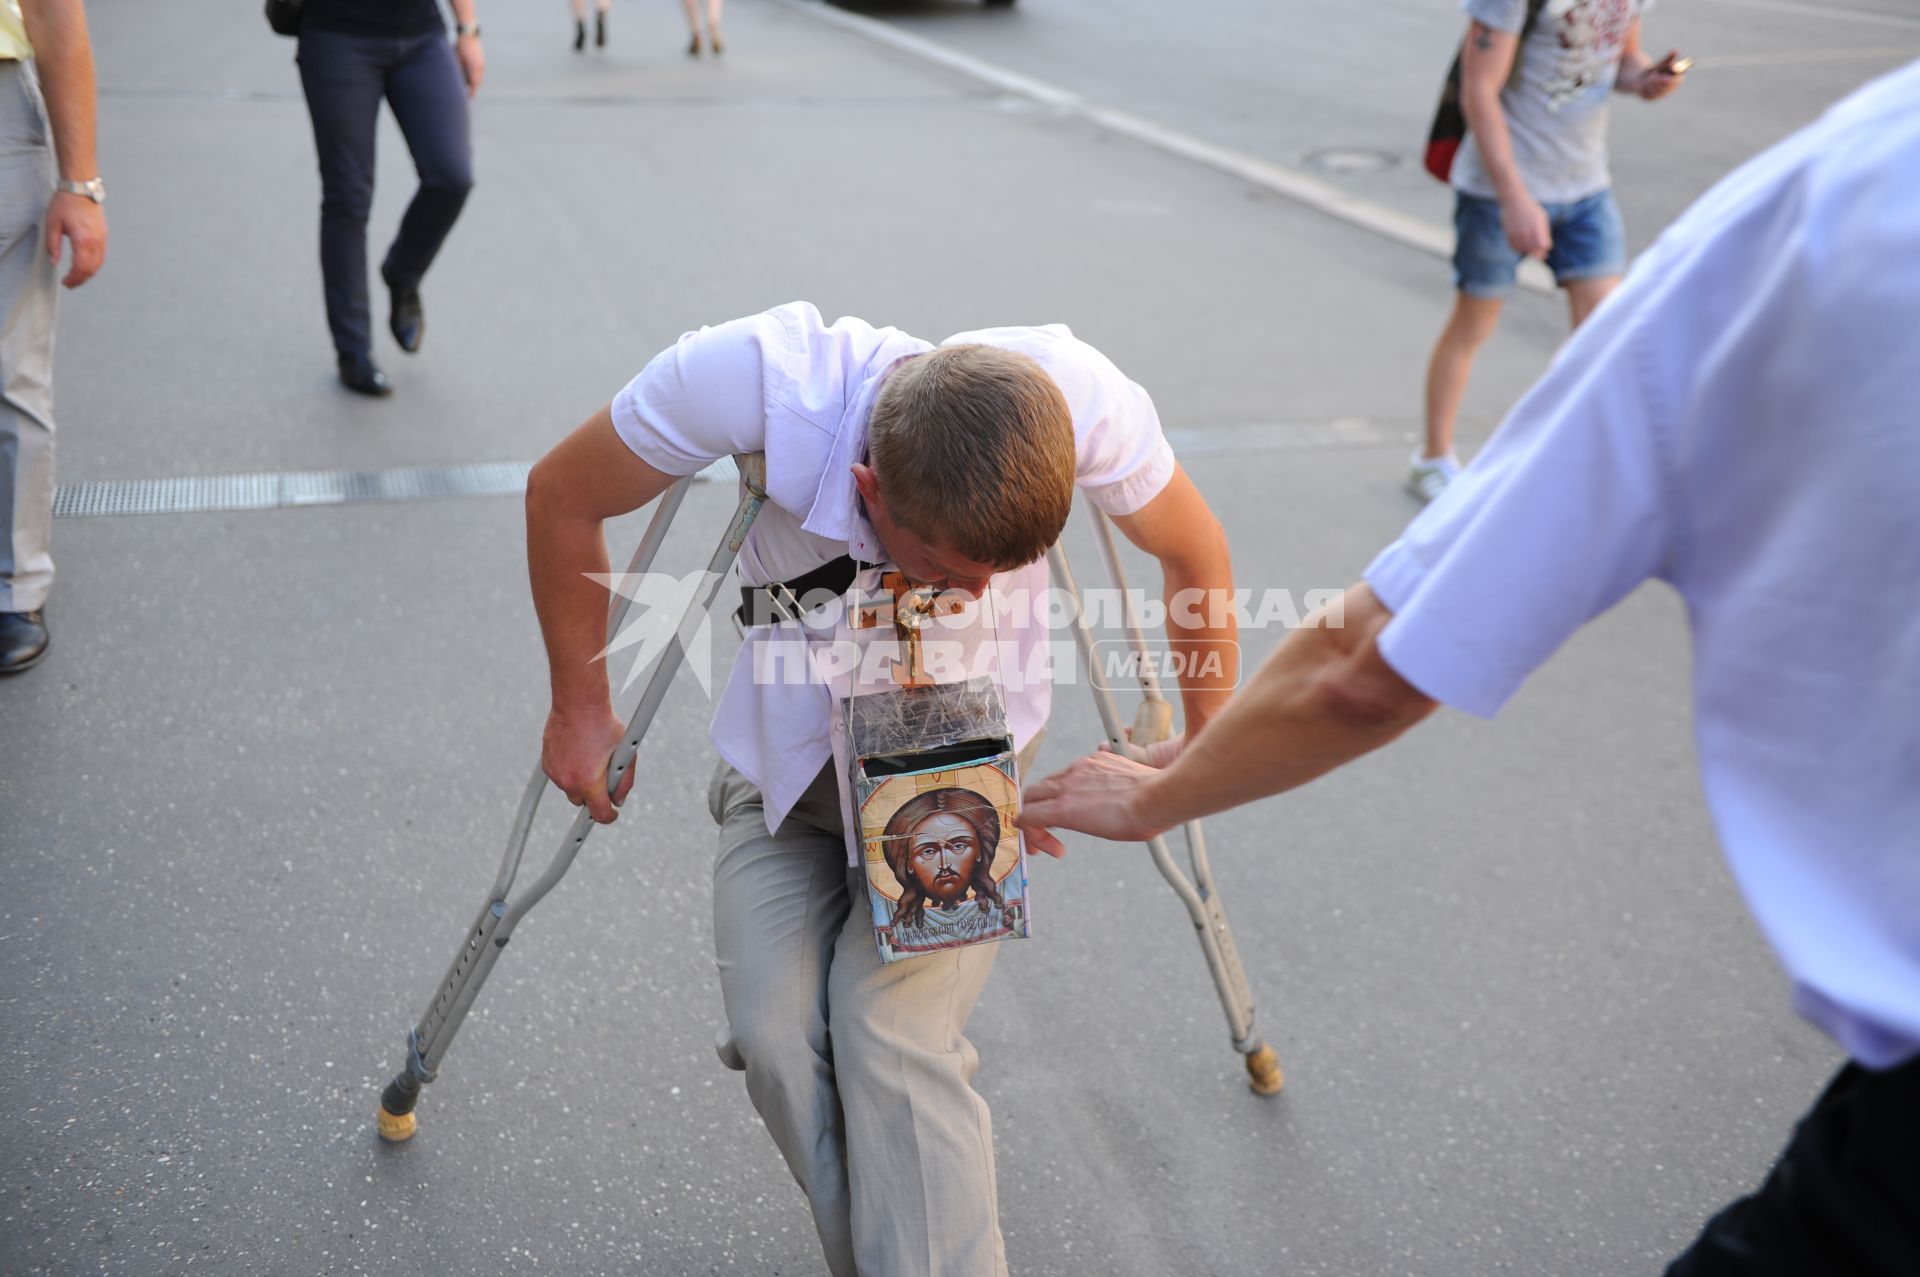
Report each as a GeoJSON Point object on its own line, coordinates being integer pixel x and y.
{"type": "Point", "coordinates": [397, 1128]}
{"type": "Point", "coordinates": [1263, 1071]}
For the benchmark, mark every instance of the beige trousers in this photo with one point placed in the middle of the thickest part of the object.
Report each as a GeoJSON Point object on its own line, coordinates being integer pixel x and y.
{"type": "Point", "coordinates": [860, 1070]}
{"type": "Point", "coordinates": [27, 304]}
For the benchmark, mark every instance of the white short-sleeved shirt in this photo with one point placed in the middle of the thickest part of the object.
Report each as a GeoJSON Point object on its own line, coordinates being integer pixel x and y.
{"type": "Point", "coordinates": [1742, 421]}
{"type": "Point", "coordinates": [786, 383]}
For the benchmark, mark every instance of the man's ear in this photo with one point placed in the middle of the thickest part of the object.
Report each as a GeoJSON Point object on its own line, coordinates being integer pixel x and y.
{"type": "Point", "coordinates": [867, 481]}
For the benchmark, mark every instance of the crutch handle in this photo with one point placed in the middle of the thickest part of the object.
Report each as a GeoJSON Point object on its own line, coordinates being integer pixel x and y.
{"type": "Point", "coordinates": [753, 472]}
{"type": "Point", "coordinates": [1153, 723]}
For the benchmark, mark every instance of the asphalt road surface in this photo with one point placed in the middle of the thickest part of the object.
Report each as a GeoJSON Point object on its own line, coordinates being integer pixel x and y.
{"type": "Point", "coordinates": [258, 789]}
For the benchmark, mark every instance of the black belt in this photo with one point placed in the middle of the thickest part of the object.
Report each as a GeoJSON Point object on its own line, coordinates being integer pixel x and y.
{"type": "Point", "coordinates": [771, 604]}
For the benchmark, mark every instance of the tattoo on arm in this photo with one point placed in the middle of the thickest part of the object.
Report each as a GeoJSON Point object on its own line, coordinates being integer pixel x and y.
{"type": "Point", "coordinates": [1482, 38]}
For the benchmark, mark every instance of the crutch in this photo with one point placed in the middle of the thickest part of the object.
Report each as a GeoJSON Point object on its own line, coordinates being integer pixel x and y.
{"type": "Point", "coordinates": [1155, 723]}
{"type": "Point", "coordinates": [428, 1042]}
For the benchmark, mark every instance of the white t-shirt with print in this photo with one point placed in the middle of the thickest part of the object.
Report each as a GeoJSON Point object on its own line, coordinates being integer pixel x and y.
{"type": "Point", "coordinates": [1556, 101]}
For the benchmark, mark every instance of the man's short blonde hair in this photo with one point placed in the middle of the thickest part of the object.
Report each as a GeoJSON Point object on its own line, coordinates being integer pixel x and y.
{"type": "Point", "coordinates": [973, 447]}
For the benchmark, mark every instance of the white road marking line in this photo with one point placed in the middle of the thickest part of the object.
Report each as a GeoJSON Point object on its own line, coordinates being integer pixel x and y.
{"type": "Point", "coordinates": [1901, 53]}
{"type": "Point", "coordinates": [1828, 13]}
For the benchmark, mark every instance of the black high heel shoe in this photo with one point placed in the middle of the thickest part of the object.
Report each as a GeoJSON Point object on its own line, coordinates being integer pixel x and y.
{"type": "Point", "coordinates": [600, 29]}
{"type": "Point", "coordinates": [579, 36]}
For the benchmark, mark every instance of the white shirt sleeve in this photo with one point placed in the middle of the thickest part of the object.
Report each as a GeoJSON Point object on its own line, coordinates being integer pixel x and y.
{"type": "Point", "coordinates": [1501, 15]}
{"type": "Point", "coordinates": [702, 398]}
{"type": "Point", "coordinates": [1123, 458]}
{"type": "Point", "coordinates": [1569, 507]}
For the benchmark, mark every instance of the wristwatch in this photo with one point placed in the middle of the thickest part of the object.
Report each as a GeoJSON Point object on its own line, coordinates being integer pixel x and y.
{"type": "Point", "coordinates": [461, 30]}
{"type": "Point", "coordinates": [93, 189]}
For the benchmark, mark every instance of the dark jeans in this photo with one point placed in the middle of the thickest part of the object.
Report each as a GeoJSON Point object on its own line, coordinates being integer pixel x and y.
{"type": "Point", "coordinates": [1844, 1198]}
{"type": "Point", "coordinates": [345, 76]}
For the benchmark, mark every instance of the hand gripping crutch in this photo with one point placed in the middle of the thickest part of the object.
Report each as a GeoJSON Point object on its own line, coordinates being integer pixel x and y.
{"type": "Point", "coordinates": [453, 997]}
{"type": "Point", "coordinates": [1155, 723]}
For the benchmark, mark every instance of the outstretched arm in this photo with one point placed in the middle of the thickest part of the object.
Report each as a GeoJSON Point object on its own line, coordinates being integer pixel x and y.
{"type": "Point", "coordinates": [1324, 698]}
{"type": "Point", "coordinates": [589, 477]}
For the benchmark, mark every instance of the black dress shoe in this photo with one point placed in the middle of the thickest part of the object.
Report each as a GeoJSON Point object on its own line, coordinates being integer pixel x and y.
{"type": "Point", "coordinates": [407, 320]}
{"type": "Point", "coordinates": [23, 640]}
{"type": "Point", "coordinates": [579, 36]}
{"type": "Point", "coordinates": [600, 29]}
{"type": "Point", "coordinates": [359, 373]}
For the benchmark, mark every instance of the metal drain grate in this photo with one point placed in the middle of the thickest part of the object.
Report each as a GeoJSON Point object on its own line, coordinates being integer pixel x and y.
{"type": "Point", "coordinates": [209, 493]}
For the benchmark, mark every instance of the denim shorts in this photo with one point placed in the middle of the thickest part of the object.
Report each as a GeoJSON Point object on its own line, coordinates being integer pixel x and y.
{"type": "Point", "coordinates": [1589, 242]}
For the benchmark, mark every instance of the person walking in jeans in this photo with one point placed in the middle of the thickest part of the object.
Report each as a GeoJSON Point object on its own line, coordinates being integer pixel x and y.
{"type": "Point", "coordinates": [352, 54]}
{"type": "Point", "coordinates": [1531, 179]}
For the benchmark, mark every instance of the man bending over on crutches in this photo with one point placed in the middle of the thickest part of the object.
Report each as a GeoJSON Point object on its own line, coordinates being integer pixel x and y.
{"type": "Point", "coordinates": [954, 465]}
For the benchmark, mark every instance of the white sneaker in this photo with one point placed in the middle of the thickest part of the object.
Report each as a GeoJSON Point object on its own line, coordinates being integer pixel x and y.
{"type": "Point", "coordinates": [1430, 476]}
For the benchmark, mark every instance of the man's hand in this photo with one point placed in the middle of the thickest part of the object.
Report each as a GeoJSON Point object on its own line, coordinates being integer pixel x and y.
{"type": "Point", "coordinates": [1323, 698]}
{"type": "Point", "coordinates": [473, 61]}
{"type": "Point", "coordinates": [82, 223]}
{"type": "Point", "coordinates": [574, 753]}
{"type": "Point", "coordinates": [1157, 755]}
{"type": "Point", "coordinates": [1526, 225]}
{"type": "Point", "coordinates": [1095, 796]}
{"type": "Point", "coordinates": [1147, 758]}
{"type": "Point", "coordinates": [1660, 79]}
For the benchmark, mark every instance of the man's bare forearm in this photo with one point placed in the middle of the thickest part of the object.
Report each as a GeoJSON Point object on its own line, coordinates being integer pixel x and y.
{"type": "Point", "coordinates": [1322, 699]}
{"type": "Point", "coordinates": [584, 480]}
{"type": "Point", "coordinates": [63, 56]}
{"type": "Point", "coordinates": [1204, 639]}
{"type": "Point", "coordinates": [1634, 62]}
{"type": "Point", "coordinates": [563, 546]}
{"type": "Point", "coordinates": [1185, 538]}
{"type": "Point", "coordinates": [1483, 73]}
{"type": "Point", "coordinates": [1489, 124]}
